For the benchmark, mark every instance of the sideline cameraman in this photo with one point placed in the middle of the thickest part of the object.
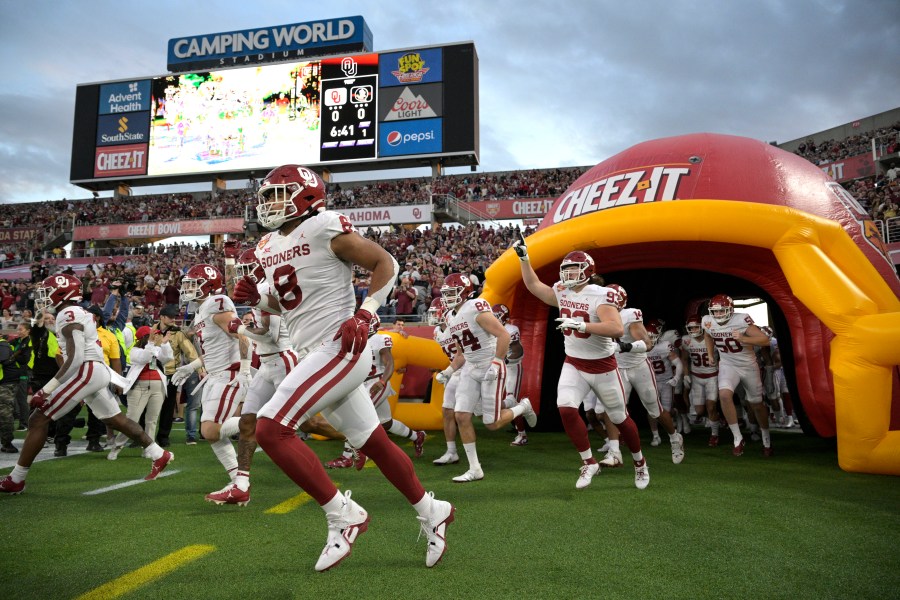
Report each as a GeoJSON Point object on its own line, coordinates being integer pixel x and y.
{"type": "Point", "coordinates": [181, 348]}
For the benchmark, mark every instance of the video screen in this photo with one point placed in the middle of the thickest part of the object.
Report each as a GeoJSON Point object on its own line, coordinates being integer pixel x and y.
{"type": "Point", "coordinates": [235, 119]}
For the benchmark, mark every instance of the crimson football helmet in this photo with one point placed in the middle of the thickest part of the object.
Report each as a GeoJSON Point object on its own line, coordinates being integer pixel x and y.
{"type": "Point", "coordinates": [654, 329]}
{"type": "Point", "coordinates": [721, 308]}
{"type": "Point", "coordinates": [457, 289]}
{"type": "Point", "coordinates": [289, 192]}
{"type": "Point", "coordinates": [692, 326]}
{"type": "Point", "coordinates": [501, 311]}
{"type": "Point", "coordinates": [621, 295]}
{"type": "Point", "coordinates": [201, 281]}
{"type": "Point", "coordinates": [576, 269]}
{"type": "Point", "coordinates": [436, 312]}
{"type": "Point", "coordinates": [247, 265]}
{"type": "Point", "coordinates": [55, 290]}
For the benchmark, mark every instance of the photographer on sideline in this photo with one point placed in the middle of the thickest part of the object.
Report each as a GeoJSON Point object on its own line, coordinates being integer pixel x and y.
{"type": "Point", "coordinates": [181, 347]}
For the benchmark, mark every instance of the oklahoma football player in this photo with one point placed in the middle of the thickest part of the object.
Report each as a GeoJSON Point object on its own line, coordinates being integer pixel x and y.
{"type": "Point", "coordinates": [308, 260]}
{"type": "Point", "coordinates": [83, 376]}
{"type": "Point", "coordinates": [589, 320]}
{"type": "Point", "coordinates": [733, 334]}
{"type": "Point", "coordinates": [225, 356]}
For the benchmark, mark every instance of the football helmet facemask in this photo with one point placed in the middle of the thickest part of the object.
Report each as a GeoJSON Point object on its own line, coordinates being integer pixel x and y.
{"type": "Point", "coordinates": [289, 192]}
{"type": "Point", "coordinates": [576, 269]}
{"type": "Point", "coordinates": [721, 308]}
{"type": "Point", "coordinates": [201, 281]}
{"type": "Point", "coordinates": [247, 265]}
{"type": "Point", "coordinates": [55, 290]}
{"type": "Point", "coordinates": [457, 289]}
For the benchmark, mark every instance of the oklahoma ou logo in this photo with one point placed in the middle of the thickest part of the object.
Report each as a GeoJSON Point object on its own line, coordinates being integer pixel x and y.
{"type": "Point", "coordinates": [311, 179]}
{"type": "Point", "coordinates": [210, 272]}
{"type": "Point", "coordinates": [60, 281]}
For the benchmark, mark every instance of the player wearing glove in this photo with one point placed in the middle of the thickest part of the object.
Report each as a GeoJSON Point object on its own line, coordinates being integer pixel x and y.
{"type": "Point", "coordinates": [589, 320]}
{"type": "Point", "coordinates": [483, 378]}
{"type": "Point", "coordinates": [309, 262]}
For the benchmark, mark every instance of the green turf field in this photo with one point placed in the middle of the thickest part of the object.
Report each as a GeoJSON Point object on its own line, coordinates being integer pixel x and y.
{"type": "Point", "coordinates": [794, 526]}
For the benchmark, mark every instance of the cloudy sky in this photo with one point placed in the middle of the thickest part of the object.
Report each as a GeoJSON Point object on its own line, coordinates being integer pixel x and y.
{"type": "Point", "coordinates": [562, 83]}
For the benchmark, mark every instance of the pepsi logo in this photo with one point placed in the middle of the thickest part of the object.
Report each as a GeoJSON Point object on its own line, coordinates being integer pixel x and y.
{"type": "Point", "coordinates": [394, 138]}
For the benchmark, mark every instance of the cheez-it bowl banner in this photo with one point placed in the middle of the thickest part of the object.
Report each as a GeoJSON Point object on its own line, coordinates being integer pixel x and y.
{"type": "Point", "coordinates": [741, 207]}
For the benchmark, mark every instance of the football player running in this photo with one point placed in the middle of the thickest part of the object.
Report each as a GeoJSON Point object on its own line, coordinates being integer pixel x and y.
{"type": "Point", "coordinates": [513, 371]}
{"type": "Point", "coordinates": [665, 364]}
{"type": "Point", "coordinates": [449, 378]}
{"type": "Point", "coordinates": [483, 343]}
{"type": "Point", "coordinates": [701, 375]}
{"type": "Point", "coordinates": [225, 356]}
{"type": "Point", "coordinates": [589, 321]}
{"type": "Point", "coordinates": [733, 335]}
{"type": "Point", "coordinates": [308, 259]}
{"type": "Point", "coordinates": [83, 376]}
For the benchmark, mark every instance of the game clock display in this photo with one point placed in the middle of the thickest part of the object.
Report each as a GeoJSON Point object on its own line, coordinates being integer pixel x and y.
{"type": "Point", "coordinates": [349, 108]}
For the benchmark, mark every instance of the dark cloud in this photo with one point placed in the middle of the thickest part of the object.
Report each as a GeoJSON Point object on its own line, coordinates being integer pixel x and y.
{"type": "Point", "coordinates": [561, 83]}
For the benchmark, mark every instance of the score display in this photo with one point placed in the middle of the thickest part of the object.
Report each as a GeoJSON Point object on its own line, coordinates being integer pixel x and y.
{"type": "Point", "coordinates": [350, 112]}
{"type": "Point", "coordinates": [349, 108]}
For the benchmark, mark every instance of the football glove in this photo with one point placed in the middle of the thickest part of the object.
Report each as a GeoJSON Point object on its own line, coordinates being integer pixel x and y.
{"type": "Point", "coordinates": [444, 376]}
{"type": "Point", "coordinates": [493, 372]}
{"type": "Point", "coordinates": [354, 332]}
{"type": "Point", "coordinates": [569, 323]}
{"type": "Point", "coordinates": [245, 292]}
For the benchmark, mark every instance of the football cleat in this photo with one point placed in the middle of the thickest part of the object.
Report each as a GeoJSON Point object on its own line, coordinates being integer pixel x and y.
{"type": "Point", "coordinates": [656, 441]}
{"type": "Point", "coordinates": [8, 486]}
{"type": "Point", "coordinates": [159, 465]}
{"type": "Point", "coordinates": [588, 470]}
{"type": "Point", "coordinates": [448, 458]}
{"type": "Point", "coordinates": [612, 459]}
{"type": "Point", "coordinates": [677, 449]}
{"type": "Point", "coordinates": [767, 451]}
{"type": "Point", "coordinates": [434, 527]}
{"type": "Point", "coordinates": [359, 459]}
{"type": "Point", "coordinates": [641, 475]}
{"type": "Point", "coordinates": [341, 462]}
{"type": "Point", "coordinates": [713, 441]}
{"type": "Point", "coordinates": [230, 494]}
{"type": "Point", "coordinates": [419, 443]}
{"type": "Point", "coordinates": [603, 448]}
{"type": "Point", "coordinates": [114, 452]}
{"type": "Point", "coordinates": [521, 440]}
{"type": "Point", "coordinates": [470, 475]}
{"type": "Point", "coordinates": [739, 449]}
{"type": "Point", "coordinates": [529, 414]}
{"type": "Point", "coordinates": [343, 529]}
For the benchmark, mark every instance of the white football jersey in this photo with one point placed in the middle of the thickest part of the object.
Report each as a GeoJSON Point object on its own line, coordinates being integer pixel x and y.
{"type": "Point", "coordinates": [660, 362]}
{"type": "Point", "coordinates": [283, 342]}
{"type": "Point", "coordinates": [514, 336]}
{"type": "Point", "coordinates": [633, 358]}
{"type": "Point", "coordinates": [731, 351]}
{"type": "Point", "coordinates": [698, 357]}
{"type": "Point", "coordinates": [218, 349]}
{"type": "Point", "coordinates": [582, 306]}
{"type": "Point", "coordinates": [477, 344]}
{"type": "Point", "coordinates": [311, 283]}
{"type": "Point", "coordinates": [446, 341]}
{"type": "Point", "coordinates": [377, 343]}
{"type": "Point", "coordinates": [93, 350]}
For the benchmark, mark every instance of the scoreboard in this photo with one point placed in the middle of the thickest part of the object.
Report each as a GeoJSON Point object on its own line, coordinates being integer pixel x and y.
{"type": "Point", "coordinates": [351, 112]}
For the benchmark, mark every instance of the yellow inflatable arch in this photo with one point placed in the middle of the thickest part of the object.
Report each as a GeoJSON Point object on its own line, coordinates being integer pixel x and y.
{"type": "Point", "coordinates": [825, 269]}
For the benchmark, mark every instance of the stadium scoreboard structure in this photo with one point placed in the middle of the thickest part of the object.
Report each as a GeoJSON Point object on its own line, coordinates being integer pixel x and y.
{"type": "Point", "coordinates": [351, 112]}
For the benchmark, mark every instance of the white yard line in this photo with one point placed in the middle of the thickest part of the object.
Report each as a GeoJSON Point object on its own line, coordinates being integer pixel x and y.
{"type": "Point", "coordinates": [126, 484]}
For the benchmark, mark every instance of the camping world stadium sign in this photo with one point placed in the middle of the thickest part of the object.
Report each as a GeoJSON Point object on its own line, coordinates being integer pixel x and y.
{"type": "Point", "coordinates": [269, 44]}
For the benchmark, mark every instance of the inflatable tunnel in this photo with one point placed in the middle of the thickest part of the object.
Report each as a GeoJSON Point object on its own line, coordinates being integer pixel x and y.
{"type": "Point", "coordinates": [723, 211]}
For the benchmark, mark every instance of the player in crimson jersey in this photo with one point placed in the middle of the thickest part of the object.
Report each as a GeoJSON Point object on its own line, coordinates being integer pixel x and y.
{"type": "Point", "coordinates": [82, 377]}
{"type": "Point", "coordinates": [308, 261]}
{"type": "Point", "coordinates": [589, 320]}
{"type": "Point", "coordinates": [734, 335]}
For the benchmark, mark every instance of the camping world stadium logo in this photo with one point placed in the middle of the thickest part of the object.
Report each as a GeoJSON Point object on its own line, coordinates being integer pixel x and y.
{"type": "Point", "coordinates": [394, 138]}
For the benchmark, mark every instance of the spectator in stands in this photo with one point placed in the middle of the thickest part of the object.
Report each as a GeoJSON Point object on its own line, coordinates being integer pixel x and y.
{"type": "Point", "coordinates": [406, 297]}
